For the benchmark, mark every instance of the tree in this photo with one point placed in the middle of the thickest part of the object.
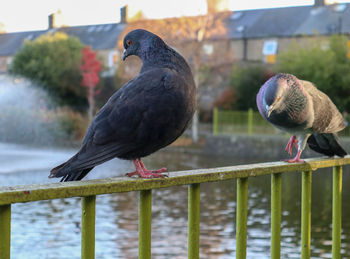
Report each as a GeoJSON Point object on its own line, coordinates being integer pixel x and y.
{"type": "Point", "coordinates": [90, 69]}
{"type": "Point", "coordinates": [226, 101]}
{"type": "Point", "coordinates": [52, 61]}
{"type": "Point", "coordinates": [323, 63]}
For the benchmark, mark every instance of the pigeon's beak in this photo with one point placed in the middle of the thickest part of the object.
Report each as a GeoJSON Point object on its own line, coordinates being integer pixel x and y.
{"type": "Point", "coordinates": [271, 108]}
{"type": "Point", "coordinates": [125, 54]}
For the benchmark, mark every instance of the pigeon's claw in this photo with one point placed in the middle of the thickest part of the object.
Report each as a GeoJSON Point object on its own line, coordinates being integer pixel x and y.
{"type": "Point", "coordinates": [148, 173]}
{"type": "Point", "coordinates": [142, 172]}
{"type": "Point", "coordinates": [296, 159]}
{"type": "Point", "coordinates": [292, 141]}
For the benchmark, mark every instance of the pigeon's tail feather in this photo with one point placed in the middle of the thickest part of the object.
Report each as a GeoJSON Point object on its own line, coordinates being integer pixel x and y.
{"type": "Point", "coordinates": [327, 144]}
{"type": "Point", "coordinates": [78, 166]}
{"type": "Point", "coordinates": [77, 176]}
{"type": "Point", "coordinates": [55, 172]}
{"type": "Point", "coordinates": [61, 171]}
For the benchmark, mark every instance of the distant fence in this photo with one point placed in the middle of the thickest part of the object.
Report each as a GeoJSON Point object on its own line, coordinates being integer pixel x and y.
{"type": "Point", "coordinates": [227, 122]}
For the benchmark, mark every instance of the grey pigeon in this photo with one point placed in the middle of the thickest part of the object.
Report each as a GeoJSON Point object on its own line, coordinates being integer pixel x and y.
{"type": "Point", "coordinates": [148, 113]}
{"type": "Point", "coordinates": [298, 107]}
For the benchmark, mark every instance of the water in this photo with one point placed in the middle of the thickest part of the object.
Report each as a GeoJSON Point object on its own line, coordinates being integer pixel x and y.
{"type": "Point", "coordinates": [51, 229]}
{"type": "Point", "coordinates": [28, 114]}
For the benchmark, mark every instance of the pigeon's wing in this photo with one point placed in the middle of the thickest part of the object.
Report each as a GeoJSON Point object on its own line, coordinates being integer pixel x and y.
{"type": "Point", "coordinates": [141, 108]}
{"type": "Point", "coordinates": [327, 118]}
{"type": "Point", "coordinates": [148, 109]}
{"type": "Point", "coordinates": [327, 144]}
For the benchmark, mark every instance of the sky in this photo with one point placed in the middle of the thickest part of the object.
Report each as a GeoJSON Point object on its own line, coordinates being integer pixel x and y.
{"type": "Point", "coordinates": [24, 15]}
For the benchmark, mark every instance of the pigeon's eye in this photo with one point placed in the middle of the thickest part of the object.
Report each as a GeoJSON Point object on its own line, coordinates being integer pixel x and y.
{"type": "Point", "coordinates": [129, 42]}
{"type": "Point", "coordinates": [277, 98]}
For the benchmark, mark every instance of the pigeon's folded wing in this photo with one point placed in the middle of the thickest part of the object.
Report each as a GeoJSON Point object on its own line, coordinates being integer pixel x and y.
{"type": "Point", "coordinates": [327, 118]}
{"type": "Point", "coordinates": [127, 122]}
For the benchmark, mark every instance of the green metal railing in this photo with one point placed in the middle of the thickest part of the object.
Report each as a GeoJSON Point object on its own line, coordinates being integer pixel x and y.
{"type": "Point", "coordinates": [193, 178]}
{"type": "Point", "coordinates": [248, 122]}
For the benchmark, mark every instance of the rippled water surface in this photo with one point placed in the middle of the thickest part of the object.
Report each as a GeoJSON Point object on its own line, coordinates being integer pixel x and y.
{"type": "Point", "coordinates": [51, 229]}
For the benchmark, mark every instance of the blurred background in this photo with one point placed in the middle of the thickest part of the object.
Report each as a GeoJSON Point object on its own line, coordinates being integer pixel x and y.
{"type": "Point", "coordinates": [60, 61]}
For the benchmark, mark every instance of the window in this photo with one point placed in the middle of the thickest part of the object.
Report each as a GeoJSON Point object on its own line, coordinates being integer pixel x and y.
{"type": "Point", "coordinates": [113, 58]}
{"type": "Point", "coordinates": [269, 51]}
{"type": "Point", "coordinates": [208, 49]}
{"type": "Point", "coordinates": [270, 47]}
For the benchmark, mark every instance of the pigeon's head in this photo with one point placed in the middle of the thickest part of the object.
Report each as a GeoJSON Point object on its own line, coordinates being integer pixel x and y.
{"type": "Point", "coordinates": [276, 91]}
{"type": "Point", "coordinates": [141, 43]}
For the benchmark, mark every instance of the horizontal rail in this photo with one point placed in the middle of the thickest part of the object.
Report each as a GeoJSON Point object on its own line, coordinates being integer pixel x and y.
{"type": "Point", "coordinates": [35, 192]}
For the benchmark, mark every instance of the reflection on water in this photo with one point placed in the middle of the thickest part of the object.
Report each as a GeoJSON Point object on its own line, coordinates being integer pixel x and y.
{"type": "Point", "coordinates": [51, 229]}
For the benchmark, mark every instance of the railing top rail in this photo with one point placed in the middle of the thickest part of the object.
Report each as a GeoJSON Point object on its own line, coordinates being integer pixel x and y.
{"type": "Point", "coordinates": [35, 192]}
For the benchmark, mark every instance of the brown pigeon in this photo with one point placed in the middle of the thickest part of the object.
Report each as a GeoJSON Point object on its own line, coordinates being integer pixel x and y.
{"type": "Point", "coordinates": [298, 107]}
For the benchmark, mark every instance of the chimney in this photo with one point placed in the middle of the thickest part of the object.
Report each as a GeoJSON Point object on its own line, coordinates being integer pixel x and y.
{"type": "Point", "coordinates": [319, 3]}
{"type": "Point", "coordinates": [52, 21]}
{"type": "Point", "coordinates": [56, 20]}
{"type": "Point", "coordinates": [215, 6]}
{"type": "Point", "coordinates": [124, 14]}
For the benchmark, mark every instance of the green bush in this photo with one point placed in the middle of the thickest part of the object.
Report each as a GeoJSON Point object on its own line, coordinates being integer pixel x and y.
{"type": "Point", "coordinates": [326, 66]}
{"type": "Point", "coordinates": [72, 124]}
{"type": "Point", "coordinates": [246, 82]}
{"type": "Point", "coordinates": [52, 61]}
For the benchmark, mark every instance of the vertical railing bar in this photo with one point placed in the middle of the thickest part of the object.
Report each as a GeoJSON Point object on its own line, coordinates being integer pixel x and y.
{"type": "Point", "coordinates": [336, 212]}
{"type": "Point", "coordinates": [306, 214]}
{"type": "Point", "coordinates": [5, 231]}
{"type": "Point", "coordinates": [215, 121]}
{"type": "Point", "coordinates": [241, 218]}
{"type": "Point", "coordinates": [88, 213]}
{"type": "Point", "coordinates": [145, 224]}
{"type": "Point", "coordinates": [250, 121]}
{"type": "Point", "coordinates": [276, 210]}
{"type": "Point", "coordinates": [193, 220]}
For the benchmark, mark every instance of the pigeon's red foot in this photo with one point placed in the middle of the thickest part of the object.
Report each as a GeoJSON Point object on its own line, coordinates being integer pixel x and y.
{"type": "Point", "coordinates": [143, 172]}
{"type": "Point", "coordinates": [296, 159]}
{"type": "Point", "coordinates": [292, 141]}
